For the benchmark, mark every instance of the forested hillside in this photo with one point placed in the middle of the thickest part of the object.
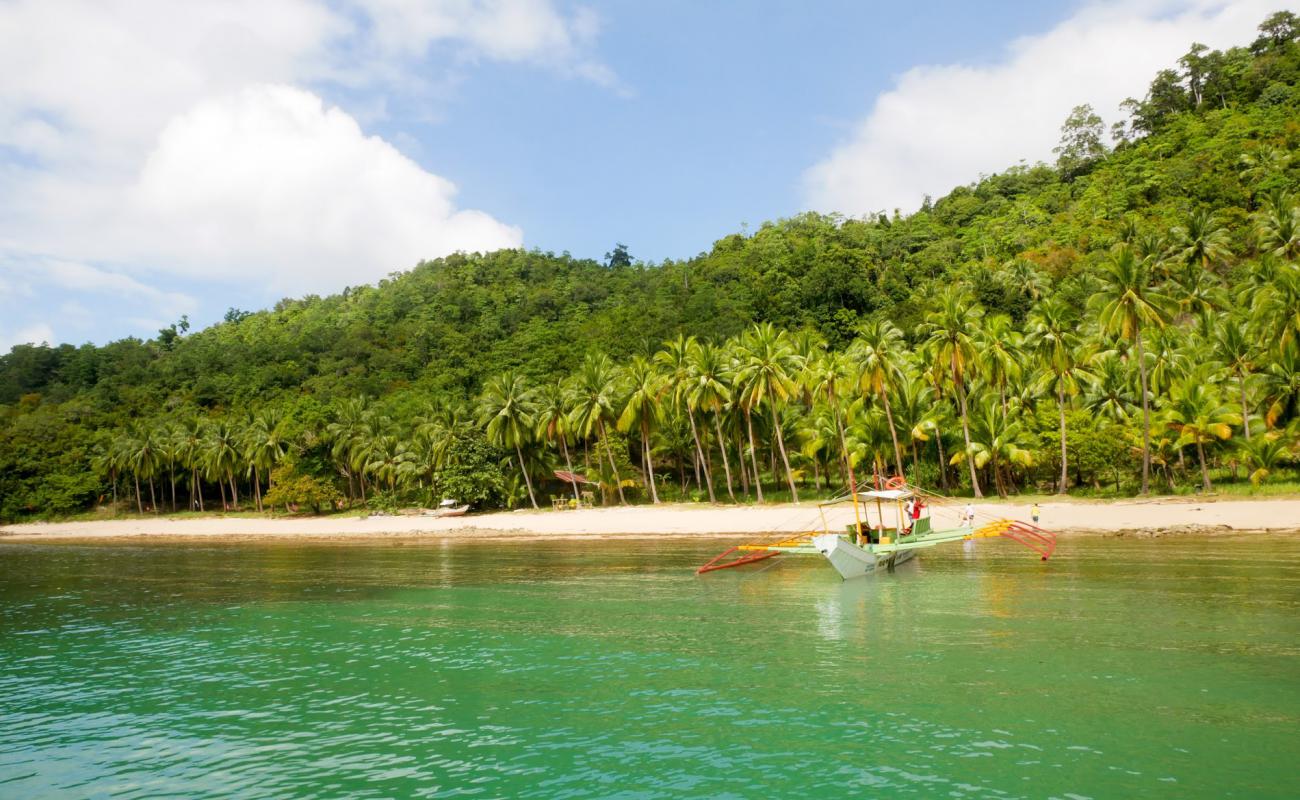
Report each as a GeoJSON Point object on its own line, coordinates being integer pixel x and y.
{"type": "Point", "coordinates": [1127, 319]}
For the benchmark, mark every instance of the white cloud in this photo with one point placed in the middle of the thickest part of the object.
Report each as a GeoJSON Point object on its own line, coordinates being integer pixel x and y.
{"type": "Point", "coordinates": [157, 139]}
{"type": "Point", "coordinates": [943, 125]}
{"type": "Point", "coordinates": [33, 334]}
{"type": "Point", "coordinates": [271, 185]}
{"type": "Point", "coordinates": [504, 30]}
{"type": "Point", "coordinates": [85, 278]}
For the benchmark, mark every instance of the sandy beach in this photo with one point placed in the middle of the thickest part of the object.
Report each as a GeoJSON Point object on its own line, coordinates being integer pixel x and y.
{"type": "Point", "coordinates": [1127, 517]}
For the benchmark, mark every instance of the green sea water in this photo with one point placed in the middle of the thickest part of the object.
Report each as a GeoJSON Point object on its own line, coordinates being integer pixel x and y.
{"type": "Point", "coordinates": [573, 669]}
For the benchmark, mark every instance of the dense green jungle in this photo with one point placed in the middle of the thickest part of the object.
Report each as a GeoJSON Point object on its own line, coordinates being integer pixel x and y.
{"type": "Point", "coordinates": [1125, 320]}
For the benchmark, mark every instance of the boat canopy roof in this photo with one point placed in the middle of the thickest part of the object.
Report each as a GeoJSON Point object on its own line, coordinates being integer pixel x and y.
{"type": "Point", "coordinates": [873, 494]}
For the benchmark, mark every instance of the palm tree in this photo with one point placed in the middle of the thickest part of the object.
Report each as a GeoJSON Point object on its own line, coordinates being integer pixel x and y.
{"type": "Point", "coordinates": [1282, 386]}
{"type": "Point", "coordinates": [1125, 305]}
{"type": "Point", "coordinates": [1052, 335]}
{"type": "Point", "coordinates": [764, 374]}
{"type": "Point", "coordinates": [506, 409]}
{"type": "Point", "coordinates": [676, 360]}
{"type": "Point", "coordinates": [644, 409]}
{"type": "Point", "coordinates": [147, 457]}
{"type": "Point", "coordinates": [1277, 227]}
{"type": "Point", "coordinates": [1263, 456]}
{"type": "Point", "coordinates": [952, 328]}
{"type": "Point", "coordinates": [1110, 387]}
{"type": "Point", "coordinates": [343, 433]}
{"type": "Point", "coordinates": [1278, 309]}
{"type": "Point", "coordinates": [1198, 416]}
{"type": "Point", "coordinates": [1238, 352]}
{"type": "Point", "coordinates": [264, 447]}
{"type": "Point", "coordinates": [916, 412]}
{"type": "Point", "coordinates": [1201, 241]}
{"type": "Point", "coordinates": [826, 375]}
{"type": "Point", "coordinates": [709, 392]}
{"type": "Point", "coordinates": [221, 458]}
{"type": "Point", "coordinates": [593, 404]}
{"type": "Point", "coordinates": [878, 351]}
{"type": "Point", "coordinates": [391, 461]}
{"type": "Point", "coordinates": [554, 409]}
{"type": "Point", "coordinates": [999, 442]}
{"type": "Point", "coordinates": [191, 438]}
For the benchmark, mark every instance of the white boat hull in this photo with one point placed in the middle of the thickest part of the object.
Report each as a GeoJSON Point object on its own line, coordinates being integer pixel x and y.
{"type": "Point", "coordinates": [851, 561]}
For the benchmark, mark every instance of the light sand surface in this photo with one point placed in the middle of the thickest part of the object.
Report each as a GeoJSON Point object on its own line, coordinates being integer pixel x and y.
{"type": "Point", "coordinates": [1141, 517]}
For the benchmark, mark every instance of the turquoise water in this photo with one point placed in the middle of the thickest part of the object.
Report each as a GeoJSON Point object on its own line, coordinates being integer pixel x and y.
{"type": "Point", "coordinates": [1123, 668]}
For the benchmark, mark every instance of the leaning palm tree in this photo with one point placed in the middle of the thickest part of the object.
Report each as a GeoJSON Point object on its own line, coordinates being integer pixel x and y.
{"type": "Point", "coordinates": [644, 410]}
{"type": "Point", "coordinates": [765, 375]}
{"type": "Point", "coordinates": [709, 392]}
{"type": "Point", "coordinates": [595, 393]}
{"type": "Point", "coordinates": [952, 328]}
{"type": "Point", "coordinates": [1125, 305]}
{"type": "Point", "coordinates": [554, 421]}
{"type": "Point", "coordinates": [1052, 335]}
{"type": "Point", "coordinates": [878, 351]}
{"type": "Point", "coordinates": [675, 358]}
{"type": "Point", "coordinates": [506, 409]}
{"type": "Point", "coordinates": [1196, 413]}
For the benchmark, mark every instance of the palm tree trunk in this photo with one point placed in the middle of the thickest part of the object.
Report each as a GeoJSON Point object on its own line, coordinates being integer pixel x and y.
{"type": "Point", "coordinates": [780, 442]}
{"type": "Point", "coordinates": [1245, 413]}
{"type": "Point", "coordinates": [527, 480]}
{"type": "Point", "coordinates": [569, 466]}
{"type": "Point", "coordinates": [1205, 474]}
{"type": "Point", "coordinates": [618, 481]}
{"type": "Point", "coordinates": [649, 462]}
{"type": "Point", "coordinates": [893, 434]}
{"type": "Point", "coordinates": [153, 500]}
{"type": "Point", "coordinates": [699, 451]}
{"type": "Point", "coordinates": [234, 490]}
{"type": "Point", "coordinates": [1060, 404]}
{"type": "Point", "coordinates": [257, 488]}
{"type": "Point", "coordinates": [1146, 416]}
{"type": "Point", "coordinates": [222, 486]}
{"type": "Point", "coordinates": [753, 455]}
{"type": "Point", "coordinates": [172, 477]}
{"type": "Point", "coordinates": [943, 463]}
{"type": "Point", "coordinates": [139, 506]}
{"type": "Point", "coordinates": [965, 429]}
{"type": "Point", "coordinates": [726, 464]}
{"type": "Point", "coordinates": [740, 464]}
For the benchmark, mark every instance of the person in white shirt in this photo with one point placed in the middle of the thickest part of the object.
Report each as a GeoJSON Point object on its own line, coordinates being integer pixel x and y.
{"type": "Point", "coordinates": [969, 521]}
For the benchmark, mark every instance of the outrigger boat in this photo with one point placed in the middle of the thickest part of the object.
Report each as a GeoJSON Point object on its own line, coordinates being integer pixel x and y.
{"type": "Point", "coordinates": [902, 528]}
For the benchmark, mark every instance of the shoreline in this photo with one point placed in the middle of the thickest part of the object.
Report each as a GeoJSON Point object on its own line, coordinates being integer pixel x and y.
{"type": "Point", "coordinates": [1157, 517]}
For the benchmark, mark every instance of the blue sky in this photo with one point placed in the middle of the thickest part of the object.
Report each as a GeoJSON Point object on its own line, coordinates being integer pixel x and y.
{"type": "Point", "coordinates": [159, 159]}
